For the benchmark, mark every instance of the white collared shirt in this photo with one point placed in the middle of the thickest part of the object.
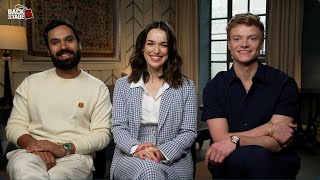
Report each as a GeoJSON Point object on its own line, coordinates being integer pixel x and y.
{"type": "Point", "coordinates": [150, 105]}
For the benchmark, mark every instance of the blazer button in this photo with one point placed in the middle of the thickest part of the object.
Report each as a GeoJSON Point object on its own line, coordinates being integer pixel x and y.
{"type": "Point", "coordinates": [154, 131]}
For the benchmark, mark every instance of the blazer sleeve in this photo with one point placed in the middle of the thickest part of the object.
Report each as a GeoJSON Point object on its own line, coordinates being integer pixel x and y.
{"type": "Point", "coordinates": [187, 133]}
{"type": "Point", "coordinates": [120, 120]}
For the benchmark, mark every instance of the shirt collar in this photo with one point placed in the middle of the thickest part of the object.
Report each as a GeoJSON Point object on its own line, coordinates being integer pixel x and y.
{"type": "Point", "coordinates": [261, 73]}
{"type": "Point", "coordinates": [259, 76]}
{"type": "Point", "coordinates": [140, 83]}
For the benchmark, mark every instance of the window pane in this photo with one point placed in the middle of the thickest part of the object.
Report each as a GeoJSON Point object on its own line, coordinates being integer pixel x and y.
{"type": "Point", "coordinates": [219, 8]}
{"type": "Point", "coordinates": [218, 57]}
{"type": "Point", "coordinates": [263, 50]}
{"type": "Point", "coordinates": [219, 47]}
{"type": "Point", "coordinates": [263, 20]}
{"type": "Point", "coordinates": [231, 64]}
{"type": "Point", "coordinates": [217, 67]}
{"type": "Point", "coordinates": [239, 6]}
{"type": "Point", "coordinates": [218, 29]}
{"type": "Point", "coordinates": [262, 54]}
{"type": "Point", "coordinates": [258, 6]}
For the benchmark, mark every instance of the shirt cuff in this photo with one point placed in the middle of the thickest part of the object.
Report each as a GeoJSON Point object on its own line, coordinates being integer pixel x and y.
{"type": "Point", "coordinates": [133, 149]}
{"type": "Point", "coordinates": [166, 160]}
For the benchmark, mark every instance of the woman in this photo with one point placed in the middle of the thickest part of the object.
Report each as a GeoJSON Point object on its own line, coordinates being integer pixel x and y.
{"type": "Point", "coordinates": [154, 111]}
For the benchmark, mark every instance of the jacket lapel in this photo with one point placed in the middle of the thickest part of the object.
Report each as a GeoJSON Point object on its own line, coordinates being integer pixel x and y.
{"type": "Point", "coordinates": [136, 108]}
{"type": "Point", "coordinates": [165, 103]}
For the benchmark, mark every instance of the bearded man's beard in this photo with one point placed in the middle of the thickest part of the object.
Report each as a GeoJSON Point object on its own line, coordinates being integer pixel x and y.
{"type": "Point", "coordinates": [66, 64]}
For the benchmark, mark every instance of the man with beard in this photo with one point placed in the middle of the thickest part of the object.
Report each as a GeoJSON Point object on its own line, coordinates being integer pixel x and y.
{"type": "Point", "coordinates": [60, 117]}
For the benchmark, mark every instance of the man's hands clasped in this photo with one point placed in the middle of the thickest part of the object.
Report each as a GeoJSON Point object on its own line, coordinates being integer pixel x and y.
{"type": "Point", "coordinates": [283, 133]}
{"type": "Point", "coordinates": [47, 151]}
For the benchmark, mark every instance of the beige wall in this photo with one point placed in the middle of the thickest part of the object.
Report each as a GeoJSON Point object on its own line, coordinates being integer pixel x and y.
{"type": "Point", "coordinates": [133, 16]}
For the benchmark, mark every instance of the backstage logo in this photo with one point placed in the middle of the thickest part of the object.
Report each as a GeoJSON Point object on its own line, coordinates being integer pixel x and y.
{"type": "Point", "coordinates": [20, 12]}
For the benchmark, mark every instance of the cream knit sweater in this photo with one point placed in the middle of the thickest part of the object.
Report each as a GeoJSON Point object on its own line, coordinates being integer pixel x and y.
{"type": "Point", "coordinates": [61, 110]}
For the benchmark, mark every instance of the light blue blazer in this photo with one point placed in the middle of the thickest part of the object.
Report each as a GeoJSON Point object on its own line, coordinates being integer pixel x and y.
{"type": "Point", "coordinates": [177, 126]}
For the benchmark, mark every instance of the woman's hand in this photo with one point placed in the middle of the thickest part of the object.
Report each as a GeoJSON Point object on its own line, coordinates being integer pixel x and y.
{"type": "Point", "coordinates": [149, 151]}
{"type": "Point", "coordinates": [144, 145]}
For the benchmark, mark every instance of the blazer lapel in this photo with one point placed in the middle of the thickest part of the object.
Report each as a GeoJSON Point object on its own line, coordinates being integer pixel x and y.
{"type": "Point", "coordinates": [136, 108]}
{"type": "Point", "coordinates": [166, 100]}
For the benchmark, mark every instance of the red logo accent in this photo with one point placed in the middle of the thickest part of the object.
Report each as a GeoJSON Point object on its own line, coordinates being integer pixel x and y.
{"type": "Point", "coordinates": [28, 14]}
